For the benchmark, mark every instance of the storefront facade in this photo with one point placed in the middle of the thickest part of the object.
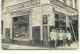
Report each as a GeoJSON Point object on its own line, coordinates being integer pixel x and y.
{"type": "Point", "coordinates": [30, 23]}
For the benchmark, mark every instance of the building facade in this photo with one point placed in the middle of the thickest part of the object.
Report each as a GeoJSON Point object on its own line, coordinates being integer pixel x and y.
{"type": "Point", "coordinates": [29, 22]}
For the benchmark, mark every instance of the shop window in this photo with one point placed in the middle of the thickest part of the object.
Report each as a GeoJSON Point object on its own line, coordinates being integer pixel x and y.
{"type": "Point", "coordinates": [60, 21]}
{"type": "Point", "coordinates": [21, 31]}
{"type": "Point", "coordinates": [24, 18]}
{"type": "Point", "coordinates": [21, 28]}
{"type": "Point", "coordinates": [24, 31]}
{"type": "Point", "coordinates": [61, 17]}
{"type": "Point", "coordinates": [16, 30]}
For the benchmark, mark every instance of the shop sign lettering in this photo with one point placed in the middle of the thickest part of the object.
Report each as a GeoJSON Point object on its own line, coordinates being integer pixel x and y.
{"type": "Point", "coordinates": [62, 5]}
{"type": "Point", "coordinates": [24, 4]}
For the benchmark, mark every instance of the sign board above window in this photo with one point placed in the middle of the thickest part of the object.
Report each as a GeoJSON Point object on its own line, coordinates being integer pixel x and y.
{"type": "Point", "coordinates": [63, 5]}
{"type": "Point", "coordinates": [24, 4]}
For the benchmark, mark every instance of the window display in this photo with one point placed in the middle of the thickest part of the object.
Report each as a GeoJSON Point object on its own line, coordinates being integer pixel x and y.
{"type": "Point", "coordinates": [60, 21]}
{"type": "Point", "coordinates": [20, 27]}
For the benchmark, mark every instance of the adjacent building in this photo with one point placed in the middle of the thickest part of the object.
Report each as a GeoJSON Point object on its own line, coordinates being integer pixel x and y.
{"type": "Point", "coordinates": [29, 22]}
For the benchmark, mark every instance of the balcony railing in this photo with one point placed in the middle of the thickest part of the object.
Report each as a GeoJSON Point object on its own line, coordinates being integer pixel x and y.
{"type": "Point", "coordinates": [62, 5]}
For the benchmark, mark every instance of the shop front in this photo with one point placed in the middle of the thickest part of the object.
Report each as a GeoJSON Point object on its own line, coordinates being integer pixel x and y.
{"type": "Point", "coordinates": [24, 30]}
{"type": "Point", "coordinates": [32, 27]}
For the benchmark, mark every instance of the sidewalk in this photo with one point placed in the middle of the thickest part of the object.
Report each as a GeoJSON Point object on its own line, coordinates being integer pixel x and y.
{"type": "Point", "coordinates": [19, 47]}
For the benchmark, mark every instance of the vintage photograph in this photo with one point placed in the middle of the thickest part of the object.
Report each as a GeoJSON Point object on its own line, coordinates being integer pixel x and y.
{"type": "Point", "coordinates": [39, 24]}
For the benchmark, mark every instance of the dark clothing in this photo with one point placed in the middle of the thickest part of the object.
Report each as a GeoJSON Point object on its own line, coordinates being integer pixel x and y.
{"type": "Point", "coordinates": [52, 43]}
{"type": "Point", "coordinates": [69, 43]}
{"type": "Point", "coordinates": [61, 42]}
{"type": "Point", "coordinates": [57, 42]}
{"type": "Point", "coordinates": [64, 41]}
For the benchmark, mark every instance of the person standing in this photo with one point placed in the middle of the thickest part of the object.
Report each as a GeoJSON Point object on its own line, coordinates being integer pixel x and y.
{"type": "Point", "coordinates": [51, 38]}
{"type": "Point", "coordinates": [61, 38]}
{"type": "Point", "coordinates": [57, 41]}
{"type": "Point", "coordinates": [64, 38]}
{"type": "Point", "coordinates": [55, 38]}
{"type": "Point", "coordinates": [69, 38]}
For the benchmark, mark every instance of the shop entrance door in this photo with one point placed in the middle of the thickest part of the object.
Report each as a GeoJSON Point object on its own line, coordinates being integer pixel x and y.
{"type": "Point", "coordinates": [36, 35]}
{"type": "Point", "coordinates": [74, 30]}
{"type": "Point", "coordinates": [60, 22]}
